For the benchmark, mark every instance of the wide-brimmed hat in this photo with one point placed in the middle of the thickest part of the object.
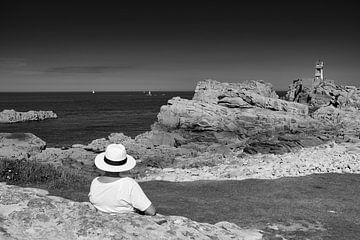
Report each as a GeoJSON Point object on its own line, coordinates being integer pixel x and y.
{"type": "Point", "coordinates": [114, 159]}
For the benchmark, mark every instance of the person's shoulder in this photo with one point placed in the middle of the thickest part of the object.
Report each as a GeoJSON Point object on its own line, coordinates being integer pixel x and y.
{"type": "Point", "coordinates": [95, 180]}
{"type": "Point", "coordinates": [129, 180]}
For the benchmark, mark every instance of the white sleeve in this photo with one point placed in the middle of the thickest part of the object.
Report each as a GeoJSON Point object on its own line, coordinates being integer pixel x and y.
{"type": "Point", "coordinates": [138, 198]}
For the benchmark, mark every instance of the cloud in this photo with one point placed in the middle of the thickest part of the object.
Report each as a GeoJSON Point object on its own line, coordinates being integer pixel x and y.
{"type": "Point", "coordinates": [12, 63]}
{"type": "Point", "coordinates": [88, 69]}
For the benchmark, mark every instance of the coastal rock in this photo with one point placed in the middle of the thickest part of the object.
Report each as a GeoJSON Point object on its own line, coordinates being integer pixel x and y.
{"type": "Point", "coordinates": [317, 94]}
{"type": "Point", "coordinates": [11, 116]}
{"type": "Point", "coordinates": [325, 158]}
{"type": "Point", "coordinates": [99, 145]}
{"type": "Point", "coordinates": [348, 117]}
{"type": "Point", "coordinates": [250, 116]}
{"type": "Point", "coordinates": [75, 158]}
{"type": "Point", "coordinates": [345, 120]}
{"type": "Point", "coordinates": [82, 157]}
{"type": "Point", "coordinates": [244, 95]}
{"type": "Point", "coordinates": [195, 121]}
{"type": "Point", "coordinates": [20, 145]}
{"type": "Point", "coordinates": [209, 91]}
{"type": "Point", "coordinates": [28, 213]}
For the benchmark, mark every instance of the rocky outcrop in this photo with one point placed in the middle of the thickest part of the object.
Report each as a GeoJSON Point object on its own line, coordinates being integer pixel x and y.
{"type": "Point", "coordinates": [74, 158]}
{"type": "Point", "coordinates": [248, 94]}
{"type": "Point", "coordinates": [323, 93]}
{"type": "Point", "coordinates": [345, 120]}
{"type": "Point", "coordinates": [31, 214]}
{"type": "Point", "coordinates": [11, 116]}
{"type": "Point", "coordinates": [199, 116]}
{"type": "Point", "coordinates": [234, 115]}
{"type": "Point", "coordinates": [210, 91]}
{"type": "Point", "coordinates": [327, 158]}
{"type": "Point", "coordinates": [20, 145]}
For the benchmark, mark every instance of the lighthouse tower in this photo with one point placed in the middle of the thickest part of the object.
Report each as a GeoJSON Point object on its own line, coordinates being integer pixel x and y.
{"type": "Point", "coordinates": [319, 71]}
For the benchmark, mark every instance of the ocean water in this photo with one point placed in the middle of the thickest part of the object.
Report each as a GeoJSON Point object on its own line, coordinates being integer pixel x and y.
{"type": "Point", "coordinates": [83, 116]}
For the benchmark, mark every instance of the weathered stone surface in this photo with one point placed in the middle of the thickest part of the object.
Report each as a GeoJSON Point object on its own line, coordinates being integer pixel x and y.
{"type": "Point", "coordinates": [75, 158]}
{"type": "Point", "coordinates": [32, 214]}
{"type": "Point", "coordinates": [244, 95]}
{"type": "Point", "coordinates": [210, 91]}
{"type": "Point", "coordinates": [20, 145]}
{"type": "Point", "coordinates": [199, 117]}
{"type": "Point", "coordinates": [326, 158]}
{"type": "Point", "coordinates": [11, 116]}
{"type": "Point", "coordinates": [318, 94]}
{"type": "Point", "coordinates": [248, 115]}
{"type": "Point", "coordinates": [345, 120]}
{"type": "Point", "coordinates": [99, 145]}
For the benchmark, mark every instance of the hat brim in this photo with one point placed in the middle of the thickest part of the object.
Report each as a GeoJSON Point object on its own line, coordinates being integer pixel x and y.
{"type": "Point", "coordinates": [102, 165]}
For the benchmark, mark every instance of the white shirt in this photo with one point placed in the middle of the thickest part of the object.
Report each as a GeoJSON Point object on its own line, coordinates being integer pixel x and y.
{"type": "Point", "coordinates": [122, 195]}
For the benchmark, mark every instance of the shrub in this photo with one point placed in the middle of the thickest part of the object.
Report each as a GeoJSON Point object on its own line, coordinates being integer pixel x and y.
{"type": "Point", "coordinates": [21, 172]}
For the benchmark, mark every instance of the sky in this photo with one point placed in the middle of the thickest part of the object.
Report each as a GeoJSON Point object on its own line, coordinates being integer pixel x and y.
{"type": "Point", "coordinates": [86, 46]}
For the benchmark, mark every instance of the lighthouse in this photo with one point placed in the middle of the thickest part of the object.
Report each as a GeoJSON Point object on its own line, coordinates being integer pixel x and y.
{"type": "Point", "coordinates": [319, 71]}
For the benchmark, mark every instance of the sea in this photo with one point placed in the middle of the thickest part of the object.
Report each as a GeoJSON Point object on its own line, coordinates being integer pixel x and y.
{"type": "Point", "coordinates": [85, 116]}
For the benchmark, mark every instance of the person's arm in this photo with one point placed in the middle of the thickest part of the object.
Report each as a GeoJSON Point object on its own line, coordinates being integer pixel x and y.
{"type": "Point", "coordinates": [140, 202]}
{"type": "Point", "coordinates": [150, 210]}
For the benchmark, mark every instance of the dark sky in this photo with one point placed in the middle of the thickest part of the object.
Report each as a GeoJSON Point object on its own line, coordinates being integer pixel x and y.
{"type": "Point", "coordinates": [120, 47]}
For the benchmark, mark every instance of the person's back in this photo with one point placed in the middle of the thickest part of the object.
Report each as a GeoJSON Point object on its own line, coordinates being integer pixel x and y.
{"type": "Point", "coordinates": [113, 194]}
{"type": "Point", "coordinates": [117, 195]}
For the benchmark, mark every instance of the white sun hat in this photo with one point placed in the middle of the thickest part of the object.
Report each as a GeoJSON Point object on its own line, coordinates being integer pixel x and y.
{"type": "Point", "coordinates": [114, 159]}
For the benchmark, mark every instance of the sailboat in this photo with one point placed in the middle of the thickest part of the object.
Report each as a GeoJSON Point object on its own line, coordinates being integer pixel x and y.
{"type": "Point", "coordinates": [149, 93]}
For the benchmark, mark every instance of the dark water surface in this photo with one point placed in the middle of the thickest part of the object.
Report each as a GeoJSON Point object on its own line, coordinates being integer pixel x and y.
{"type": "Point", "coordinates": [83, 116]}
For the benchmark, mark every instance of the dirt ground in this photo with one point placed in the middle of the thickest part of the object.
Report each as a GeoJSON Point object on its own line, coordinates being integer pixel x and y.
{"type": "Point", "coordinates": [319, 206]}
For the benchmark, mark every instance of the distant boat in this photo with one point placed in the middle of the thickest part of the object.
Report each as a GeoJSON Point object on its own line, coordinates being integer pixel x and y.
{"type": "Point", "coordinates": [93, 91]}
{"type": "Point", "coordinates": [149, 93]}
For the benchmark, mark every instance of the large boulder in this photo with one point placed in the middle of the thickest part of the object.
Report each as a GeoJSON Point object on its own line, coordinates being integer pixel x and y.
{"type": "Point", "coordinates": [20, 145]}
{"type": "Point", "coordinates": [27, 213]}
{"type": "Point", "coordinates": [11, 116]}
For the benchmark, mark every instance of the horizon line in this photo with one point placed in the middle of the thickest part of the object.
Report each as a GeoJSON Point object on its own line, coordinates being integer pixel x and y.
{"type": "Point", "coordinates": [103, 91]}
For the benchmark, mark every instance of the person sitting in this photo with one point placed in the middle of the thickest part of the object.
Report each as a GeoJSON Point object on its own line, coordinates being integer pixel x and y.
{"type": "Point", "coordinates": [112, 193]}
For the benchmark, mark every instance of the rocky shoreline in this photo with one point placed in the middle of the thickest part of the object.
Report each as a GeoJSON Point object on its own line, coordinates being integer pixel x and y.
{"type": "Point", "coordinates": [12, 116]}
{"type": "Point", "coordinates": [226, 132]}
{"type": "Point", "coordinates": [327, 158]}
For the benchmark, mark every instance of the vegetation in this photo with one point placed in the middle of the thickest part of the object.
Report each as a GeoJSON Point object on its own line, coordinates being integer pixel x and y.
{"type": "Point", "coordinates": [25, 172]}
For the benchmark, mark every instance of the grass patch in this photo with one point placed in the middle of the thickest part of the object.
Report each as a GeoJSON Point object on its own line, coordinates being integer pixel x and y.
{"type": "Point", "coordinates": [25, 172]}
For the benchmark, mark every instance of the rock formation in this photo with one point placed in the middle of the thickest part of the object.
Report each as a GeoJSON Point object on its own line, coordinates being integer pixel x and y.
{"type": "Point", "coordinates": [324, 93]}
{"type": "Point", "coordinates": [20, 145]}
{"type": "Point", "coordinates": [11, 116]}
{"type": "Point", "coordinates": [231, 114]}
{"type": "Point", "coordinates": [336, 106]}
{"type": "Point", "coordinates": [31, 214]}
